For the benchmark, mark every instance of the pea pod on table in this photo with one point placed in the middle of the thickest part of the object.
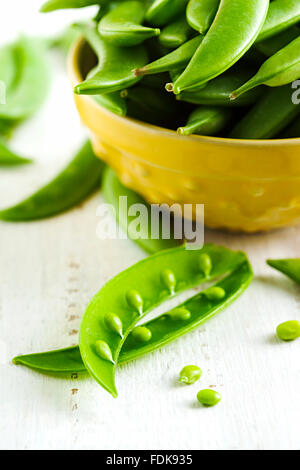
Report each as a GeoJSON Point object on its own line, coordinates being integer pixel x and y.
{"type": "Point", "coordinates": [75, 183]}
{"type": "Point", "coordinates": [200, 14]}
{"type": "Point", "coordinates": [206, 120]}
{"type": "Point", "coordinates": [10, 158]}
{"type": "Point", "coordinates": [234, 30]}
{"type": "Point", "coordinates": [162, 12]}
{"type": "Point", "coordinates": [167, 327]}
{"type": "Point", "coordinates": [289, 267]}
{"type": "Point", "coordinates": [281, 15]}
{"type": "Point", "coordinates": [122, 26]}
{"type": "Point", "coordinates": [115, 66]}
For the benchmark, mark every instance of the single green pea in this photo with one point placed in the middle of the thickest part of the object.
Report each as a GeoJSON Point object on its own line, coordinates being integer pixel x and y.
{"type": "Point", "coordinates": [134, 300]}
{"type": "Point", "coordinates": [141, 334]}
{"type": "Point", "coordinates": [205, 264]}
{"type": "Point", "coordinates": [190, 374]}
{"type": "Point", "coordinates": [208, 397]}
{"type": "Point", "coordinates": [113, 323]}
{"type": "Point", "coordinates": [168, 279]}
{"type": "Point", "coordinates": [180, 313]}
{"type": "Point", "coordinates": [214, 293]}
{"type": "Point", "coordinates": [289, 330]}
{"type": "Point", "coordinates": [103, 351]}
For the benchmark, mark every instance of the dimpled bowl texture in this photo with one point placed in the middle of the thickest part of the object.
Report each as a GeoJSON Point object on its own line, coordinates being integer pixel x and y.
{"type": "Point", "coordinates": [245, 185]}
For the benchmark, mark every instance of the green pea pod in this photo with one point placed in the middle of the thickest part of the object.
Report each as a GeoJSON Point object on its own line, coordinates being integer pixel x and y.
{"type": "Point", "coordinates": [162, 12]}
{"type": "Point", "coordinates": [175, 34]}
{"type": "Point", "coordinates": [7, 66]}
{"type": "Point", "coordinates": [281, 15]}
{"type": "Point", "coordinates": [269, 47]}
{"type": "Point", "coordinates": [31, 85]}
{"type": "Point", "coordinates": [289, 267]}
{"type": "Point", "coordinates": [206, 121]}
{"type": "Point", "coordinates": [113, 102]}
{"type": "Point", "coordinates": [172, 61]}
{"type": "Point", "coordinates": [165, 328]}
{"type": "Point", "coordinates": [217, 91]}
{"type": "Point", "coordinates": [229, 38]}
{"type": "Point", "coordinates": [122, 26]}
{"type": "Point", "coordinates": [280, 69]}
{"type": "Point", "coordinates": [9, 158]}
{"type": "Point", "coordinates": [52, 5]}
{"type": "Point", "coordinates": [113, 191]}
{"type": "Point", "coordinates": [201, 13]}
{"type": "Point", "coordinates": [74, 184]}
{"type": "Point", "coordinates": [114, 70]}
{"type": "Point", "coordinates": [269, 116]}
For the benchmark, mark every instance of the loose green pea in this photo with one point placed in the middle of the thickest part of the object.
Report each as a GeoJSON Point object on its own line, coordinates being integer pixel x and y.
{"type": "Point", "coordinates": [205, 264]}
{"type": "Point", "coordinates": [103, 351]}
{"type": "Point", "coordinates": [289, 330]}
{"type": "Point", "coordinates": [113, 323]}
{"type": "Point", "coordinates": [141, 334]}
{"type": "Point", "coordinates": [214, 293]}
{"type": "Point", "coordinates": [180, 313]}
{"type": "Point", "coordinates": [134, 300]}
{"type": "Point", "coordinates": [168, 279]}
{"type": "Point", "coordinates": [190, 374]}
{"type": "Point", "coordinates": [208, 397]}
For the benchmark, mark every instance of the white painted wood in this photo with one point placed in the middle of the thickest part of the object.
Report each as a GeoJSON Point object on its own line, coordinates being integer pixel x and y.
{"type": "Point", "coordinates": [48, 272]}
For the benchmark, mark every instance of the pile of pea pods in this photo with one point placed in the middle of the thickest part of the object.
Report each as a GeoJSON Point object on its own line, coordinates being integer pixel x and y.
{"type": "Point", "coordinates": [223, 68]}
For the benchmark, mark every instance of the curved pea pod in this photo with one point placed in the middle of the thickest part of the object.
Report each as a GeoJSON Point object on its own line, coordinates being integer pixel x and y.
{"type": "Point", "coordinates": [162, 12]}
{"type": "Point", "coordinates": [281, 15]}
{"type": "Point", "coordinates": [115, 66]}
{"type": "Point", "coordinates": [289, 267]}
{"type": "Point", "coordinates": [270, 46]}
{"type": "Point", "coordinates": [172, 61]}
{"type": "Point", "coordinates": [9, 158]}
{"type": "Point", "coordinates": [175, 34]}
{"type": "Point", "coordinates": [31, 84]}
{"type": "Point", "coordinates": [270, 115]}
{"type": "Point", "coordinates": [74, 184]}
{"type": "Point", "coordinates": [217, 91]}
{"type": "Point", "coordinates": [113, 190]}
{"type": "Point", "coordinates": [167, 327]}
{"type": "Point", "coordinates": [122, 26]}
{"type": "Point", "coordinates": [206, 120]}
{"type": "Point", "coordinates": [52, 5]}
{"type": "Point", "coordinates": [231, 35]}
{"type": "Point", "coordinates": [280, 69]}
{"type": "Point", "coordinates": [201, 13]}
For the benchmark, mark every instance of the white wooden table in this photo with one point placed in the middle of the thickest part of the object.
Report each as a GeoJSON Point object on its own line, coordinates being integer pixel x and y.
{"type": "Point", "coordinates": [49, 270]}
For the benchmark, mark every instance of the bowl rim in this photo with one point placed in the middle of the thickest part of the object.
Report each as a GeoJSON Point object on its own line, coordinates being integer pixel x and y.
{"type": "Point", "coordinates": [76, 77]}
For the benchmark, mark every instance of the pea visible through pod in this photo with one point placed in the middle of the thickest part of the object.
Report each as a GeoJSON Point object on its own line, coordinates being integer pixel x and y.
{"type": "Point", "coordinates": [190, 375]}
{"type": "Point", "coordinates": [208, 397]}
{"type": "Point", "coordinates": [161, 12]}
{"type": "Point", "coordinates": [9, 158]}
{"type": "Point", "coordinates": [212, 262]}
{"type": "Point", "coordinates": [122, 26]}
{"type": "Point", "coordinates": [114, 69]}
{"type": "Point", "coordinates": [218, 50]}
{"type": "Point", "coordinates": [289, 330]}
{"type": "Point", "coordinates": [281, 15]}
{"type": "Point", "coordinates": [206, 121]}
{"type": "Point", "coordinates": [200, 14]}
{"type": "Point", "coordinates": [75, 183]}
{"type": "Point", "coordinates": [289, 267]}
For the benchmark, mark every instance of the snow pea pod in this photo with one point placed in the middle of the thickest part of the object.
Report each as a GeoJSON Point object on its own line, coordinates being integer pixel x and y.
{"type": "Point", "coordinates": [281, 15]}
{"type": "Point", "coordinates": [113, 102]}
{"type": "Point", "coordinates": [172, 61]}
{"type": "Point", "coordinates": [231, 35]}
{"type": "Point", "coordinates": [206, 120]}
{"type": "Point", "coordinates": [75, 183]}
{"type": "Point", "coordinates": [270, 46]}
{"type": "Point", "coordinates": [113, 190]}
{"type": "Point", "coordinates": [162, 12]}
{"type": "Point", "coordinates": [201, 13]}
{"type": "Point", "coordinates": [9, 158]}
{"type": "Point", "coordinates": [269, 116]}
{"type": "Point", "coordinates": [122, 26]}
{"type": "Point", "coordinates": [31, 84]}
{"type": "Point", "coordinates": [164, 328]}
{"type": "Point", "coordinates": [134, 293]}
{"type": "Point", "coordinates": [289, 267]}
{"type": "Point", "coordinates": [52, 5]}
{"type": "Point", "coordinates": [217, 91]}
{"type": "Point", "coordinates": [175, 34]}
{"type": "Point", "coordinates": [280, 69]}
{"type": "Point", "coordinates": [114, 70]}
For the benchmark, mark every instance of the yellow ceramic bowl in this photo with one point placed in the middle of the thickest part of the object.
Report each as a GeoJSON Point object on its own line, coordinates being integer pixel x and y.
{"type": "Point", "coordinates": [245, 185]}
